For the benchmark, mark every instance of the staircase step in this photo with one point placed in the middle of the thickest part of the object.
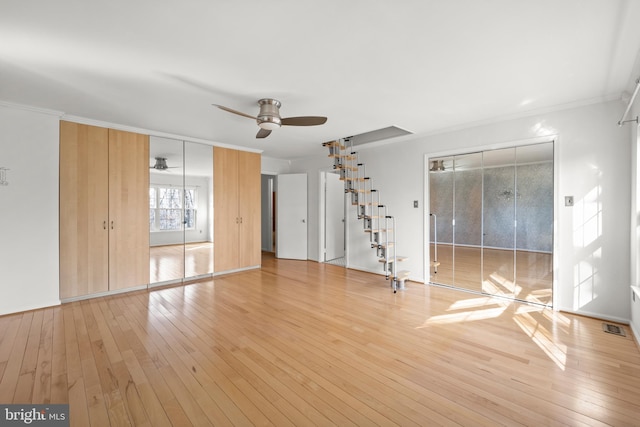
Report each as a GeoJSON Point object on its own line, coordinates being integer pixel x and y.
{"type": "Point", "coordinates": [350, 168]}
{"type": "Point", "coordinates": [403, 274]}
{"type": "Point", "coordinates": [343, 156]}
{"type": "Point", "coordinates": [378, 230]}
{"type": "Point", "coordinates": [333, 144]}
{"type": "Point", "coordinates": [382, 245]}
{"type": "Point", "coordinates": [352, 178]}
{"type": "Point", "coordinates": [399, 258]}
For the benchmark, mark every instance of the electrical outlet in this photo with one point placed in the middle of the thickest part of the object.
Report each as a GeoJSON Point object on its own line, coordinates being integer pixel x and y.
{"type": "Point", "coordinates": [568, 200]}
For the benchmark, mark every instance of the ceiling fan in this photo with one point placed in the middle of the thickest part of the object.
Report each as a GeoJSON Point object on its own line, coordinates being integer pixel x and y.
{"type": "Point", "coordinates": [269, 117]}
{"type": "Point", "coordinates": [161, 164]}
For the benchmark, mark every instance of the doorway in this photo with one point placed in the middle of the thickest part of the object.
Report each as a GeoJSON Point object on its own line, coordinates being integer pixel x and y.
{"type": "Point", "coordinates": [268, 216]}
{"type": "Point", "coordinates": [491, 222]}
{"type": "Point", "coordinates": [332, 205]}
{"type": "Point", "coordinates": [291, 216]}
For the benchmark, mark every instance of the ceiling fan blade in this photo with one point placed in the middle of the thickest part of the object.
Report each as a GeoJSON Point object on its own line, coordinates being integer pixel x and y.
{"type": "Point", "coordinates": [304, 121]}
{"type": "Point", "coordinates": [263, 133]}
{"type": "Point", "coordinates": [230, 110]}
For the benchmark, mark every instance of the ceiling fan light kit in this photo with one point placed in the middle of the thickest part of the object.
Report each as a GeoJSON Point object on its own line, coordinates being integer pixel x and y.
{"type": "Point", "coordinates": [269, 116]}
{"type": "Point", "coordinates": [269, 119]}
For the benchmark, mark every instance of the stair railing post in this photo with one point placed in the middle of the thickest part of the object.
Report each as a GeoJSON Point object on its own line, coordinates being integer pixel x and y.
{"type": "Point", "coordinates": [435, 243]}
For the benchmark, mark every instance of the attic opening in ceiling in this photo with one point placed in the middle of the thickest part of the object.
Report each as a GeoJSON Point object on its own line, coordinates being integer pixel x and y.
{"type": "Point", "coordinates": [378, 135]}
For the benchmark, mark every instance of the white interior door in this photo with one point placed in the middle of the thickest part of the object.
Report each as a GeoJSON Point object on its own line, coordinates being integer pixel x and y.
{"type": "Point", "coordinates": [334, 217]}
{"type": "Point", "coordinates": [291, 214]}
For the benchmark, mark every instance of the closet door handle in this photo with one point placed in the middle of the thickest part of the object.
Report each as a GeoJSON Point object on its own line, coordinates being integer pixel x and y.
{"type": "Point", "coordinates": [104, 225]}
{"type": "Point", "coordinates": [112, 225]}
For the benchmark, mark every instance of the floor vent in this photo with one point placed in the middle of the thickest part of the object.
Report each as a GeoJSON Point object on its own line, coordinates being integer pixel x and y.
{"type": "Point", "coordinates": [613, 329]}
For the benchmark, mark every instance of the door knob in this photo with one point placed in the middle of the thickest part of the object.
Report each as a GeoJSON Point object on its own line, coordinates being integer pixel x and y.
{"type": "Point", "coordinates": [304, 220]}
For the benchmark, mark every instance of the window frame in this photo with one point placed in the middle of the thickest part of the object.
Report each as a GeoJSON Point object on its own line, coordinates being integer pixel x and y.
{"type": "Point", "coordinates": [154, 226]}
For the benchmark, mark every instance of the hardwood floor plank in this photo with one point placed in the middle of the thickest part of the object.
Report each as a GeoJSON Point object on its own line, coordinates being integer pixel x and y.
{"type": "Point", "coordinates": [199, 383]}
{"type": "Point", "coordinates": [9, 383]}
{"type": "Point", "coordinates": [96, 399]}
{"type": "Point", "coordinates": [59, 373]}
{"type": "Point", "coordinates": [12, 326]}
{"type": "Point", "coordinates": [301, 343]}
{"type": "Point", "coordinates": [43, 371]}
{"type": "Point", "coordinates": [79, 409]}
{"type": "Point", "coordinates": [26, 380]}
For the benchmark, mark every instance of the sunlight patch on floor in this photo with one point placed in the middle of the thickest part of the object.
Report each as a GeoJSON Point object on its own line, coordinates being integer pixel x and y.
{"type": "Point", "coordinates": [469, 310]}
{"type": "Point", "coordinates": [496, 285]}
{"type": "Point", "coordinates": [542, 338]}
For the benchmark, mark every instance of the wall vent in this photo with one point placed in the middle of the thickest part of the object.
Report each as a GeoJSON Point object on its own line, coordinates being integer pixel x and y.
{"type": "Point", "coordinates": [613, 329]}
{"type": "Point", "coordinates": [379, 135]}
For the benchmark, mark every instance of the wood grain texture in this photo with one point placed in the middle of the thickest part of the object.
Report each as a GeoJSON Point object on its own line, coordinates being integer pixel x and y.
{"type": "Point", "coordinates": [300, 343]}
{"type": "Point", "coordinates": [237, 215]}
{"type": "Point", "coordinates": [84, 209]}
{"type": "Point", "coordinates": [225, 209]}
{"type": "Point", "coordinates": [172, 262]}
{"type": "Point", "coordinates": [128, 209]}
{"type": "Point", "coordinates": [249, 205]}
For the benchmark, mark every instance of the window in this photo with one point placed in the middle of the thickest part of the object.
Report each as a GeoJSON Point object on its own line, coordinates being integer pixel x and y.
{"type": "Point", "coordinates": [171, 207]}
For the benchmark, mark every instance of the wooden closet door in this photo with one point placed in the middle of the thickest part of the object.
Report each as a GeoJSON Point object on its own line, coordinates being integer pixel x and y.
{"type": "Point", "coordinates": [249, 204]}
{"type": "Point", "coordinates": [84, 238]}
{"type": "Point", "coordinates": [128, 209]}
{"type": "Point", "coordinates": [225, 209]}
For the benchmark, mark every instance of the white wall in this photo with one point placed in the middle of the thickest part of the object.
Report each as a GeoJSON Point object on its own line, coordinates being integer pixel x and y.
{"type": "Point", "coordinates": [592, 250]}
{"type": "Point", "coordinates": [634, 251]}
{"type": "Point", "coordinates": [592, 246]}
{"type": "Point", "coordinates": [271, 166]}
{"type": "Point", "coordinates": [29, 272]}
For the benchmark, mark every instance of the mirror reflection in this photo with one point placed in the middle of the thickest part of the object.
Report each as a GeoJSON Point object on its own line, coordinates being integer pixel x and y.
{"type": "Point", "coordinates": [180, 210]}
{"type": "Point", "coordinates": [491, 222]}
{"type": "Point", "coordinates": [198, 209]}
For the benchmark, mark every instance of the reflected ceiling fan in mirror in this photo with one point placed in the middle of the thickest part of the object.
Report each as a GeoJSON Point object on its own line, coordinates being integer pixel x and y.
{"type": "Point", "coordinates": [269, 119]}
{"type": "Point", "coordinates": [161, 165]}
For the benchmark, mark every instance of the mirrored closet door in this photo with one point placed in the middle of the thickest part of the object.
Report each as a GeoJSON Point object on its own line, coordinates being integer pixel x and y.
{"type": "Point", "coordinates": [198, 209]}
{"type": "Point", "coordinates": [180, 210]}
{"type": "Point", "coordinates": [491, 217]}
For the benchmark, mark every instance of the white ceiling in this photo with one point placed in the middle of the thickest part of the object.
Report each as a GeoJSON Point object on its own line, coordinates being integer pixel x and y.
{"type": "Point", "coordinates": [421, 65]}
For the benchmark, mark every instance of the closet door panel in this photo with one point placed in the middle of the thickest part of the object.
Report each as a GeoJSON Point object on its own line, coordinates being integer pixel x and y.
{"type": "Point", "coordinates": [249, 196]}
{"type": "Point", "coordinates": [84, 237]}
{"type": "Point", "coordinates": [128, 209]}
{"type": "Point", "coordinates": [225, 210]}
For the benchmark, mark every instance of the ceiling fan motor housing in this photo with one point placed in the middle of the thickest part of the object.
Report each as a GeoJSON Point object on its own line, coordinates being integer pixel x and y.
{"type": "Point", "coordinates": [269, 116]}
{"type": "Point", "coordinates": [161, 163]}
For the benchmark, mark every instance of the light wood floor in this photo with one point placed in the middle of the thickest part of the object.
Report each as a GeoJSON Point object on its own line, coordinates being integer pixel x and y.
{"type": "Point", "coordinates": [300, 343]}
{"type": "Point", "coordinates": [171, 262]}
{"type": "Point", "coordinates": [527, 276]}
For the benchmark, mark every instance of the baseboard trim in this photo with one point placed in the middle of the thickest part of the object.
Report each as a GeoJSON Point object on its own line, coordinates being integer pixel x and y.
{"type": "Point", "coordinates": [237, 270]}
{"type": "Point", "coordinates": [31, 307]}
{"type": "Point", "coordinates": [598, 316]}
{"type": "Point", "coordinates": [636, 335]}
{"type": "Point", "coordinates": [104, 294]}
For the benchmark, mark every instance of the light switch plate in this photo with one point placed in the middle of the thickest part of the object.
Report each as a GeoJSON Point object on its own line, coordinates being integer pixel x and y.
{"type": "Point", "coordinates": [415, 203]}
